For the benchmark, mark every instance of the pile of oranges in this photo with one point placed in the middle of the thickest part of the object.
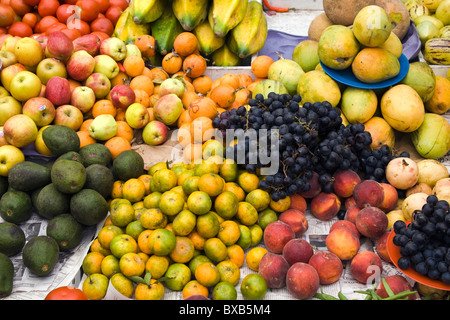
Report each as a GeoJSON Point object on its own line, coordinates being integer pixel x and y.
{"type": "Point", "coordinates": [183, 228]}
{"type": "Point", "coordinates": [26, 18]}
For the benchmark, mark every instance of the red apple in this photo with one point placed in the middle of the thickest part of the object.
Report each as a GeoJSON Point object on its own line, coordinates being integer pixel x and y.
{"type": "Point", "coordinates": [80, 65]}
{"type": "Point", "coordinates": [89, 43]}
{"type": "Point", "coordinates": [122, 96]}
{"type": "Point", "coordinates": [155, 133]}
{"type": "Point", "coordinates": [68, 115]}
{"type": "Point", "coordinates": [20, 130]}
{"type": "Point", "coordinates": [58, 91]}
{"type": "Point", "coordinates": [8, 73]}
{"type": "Point", "coordinates": [99, 83]}
{"type": "Point", "coordinates": [59, 46]}
{"type": "Point", "coordinates": [43, 40]}
{"type": "Point", "coordinates": [40, 109]}
{"type": "Point", "coordinates": [83, 98]}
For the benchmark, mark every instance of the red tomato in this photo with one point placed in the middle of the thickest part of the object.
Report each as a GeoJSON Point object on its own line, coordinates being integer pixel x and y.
{"type": "Point", "coordinates": [66, 293]}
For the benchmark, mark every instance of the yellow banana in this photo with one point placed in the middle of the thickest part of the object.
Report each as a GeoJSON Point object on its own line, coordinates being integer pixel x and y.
{"type": "Point", "coordinates": [190, 13]}
{"type": "Point", "coordinates": [126, 30]}
{"type": "Point", "coordinates": [224, 15]}
{"type": "Point", "coordinates": [146, 11]}
{"type": "Point", "coordinates": [249, 36]}
{"type": "Point", "coordinates": [208, 42]}
{"type": "Point", "coordinates": [437, 51]}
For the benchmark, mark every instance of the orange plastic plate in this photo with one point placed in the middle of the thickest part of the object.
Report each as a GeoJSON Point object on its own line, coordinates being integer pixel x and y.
{"type": "Point", "coordinates": [394, 254]}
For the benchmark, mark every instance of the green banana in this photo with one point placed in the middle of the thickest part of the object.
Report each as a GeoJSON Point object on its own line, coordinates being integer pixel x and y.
{"type": "Point", "coordinates": [224, 57]}
{"type": "Point", "coordinates": [146, 11]}
{"type": "Point", "coordinates": [437, 51]}
{"type": "Point", "coordinates": [165, 29]}
{"type": "Point", "coordinates": [190, 13]}
{"type": "Point", "coordinates": [249, 36]}
{"type": "Point", "coordinates": [126, 30]}
{"type": "Point", "coordinates": [208, 42]}
{"type": "Point", "coordinates": [224, 15]}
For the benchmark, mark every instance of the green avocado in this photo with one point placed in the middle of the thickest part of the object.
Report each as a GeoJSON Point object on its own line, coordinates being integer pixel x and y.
{"type": "Point", "coordinates": [40, 255]}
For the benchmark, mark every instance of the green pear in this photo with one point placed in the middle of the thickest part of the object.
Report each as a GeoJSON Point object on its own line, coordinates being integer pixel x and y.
{"type": "Point", "coordinates": [432, 139]}
{"type": "Point", "coordinates": [103, 127]}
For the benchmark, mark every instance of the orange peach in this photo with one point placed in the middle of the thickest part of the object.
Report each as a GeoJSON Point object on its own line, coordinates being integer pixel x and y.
{"type": "Point", "coordinates": [345, 224]}
{"type": "Point", "coordinates": [276, 235]}
{"type": "Point", "coordinates": [366, 265]}
{"type": "Point", "coordinates": [368, 192]}
{"type": "Point", "coordinates": [351, 213]}
{"type": "Point", "coordinates": [328, 266]}
{"type": "Point", "coordinates": [397, 284]}
{"type": "Point", "coordinates": [297, 250]}
{"type": "Point", "coordinates": [298, 203]}
{"type": "Point", "coordinates": [371, 222]}
{"type": "Point", "coordinates": [296, 219]}
{"type": "Point", "coordinates": [302, 281]}
{"type": "Point", "coordinates": [381, 247]}
{"type": "Point", "coordinates": [343, 243]}
{"type": "Point", "coordinates": [325, 206]}
{"type": "Point", "coordinates": [344, 182]}
{"type": "Point", "coordinates": [390, 197]}
{"type": "Point", "coordinates": [273, 268]}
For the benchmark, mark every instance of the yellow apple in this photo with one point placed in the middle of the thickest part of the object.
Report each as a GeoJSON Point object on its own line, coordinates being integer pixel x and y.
{"type": "Point", "coordinates": [68, 115]}
{"type": "Point", "coordinates": [8, 58]}
{"type": "Point", "coordinates": [3, 92]}
{"type": "Point", "coordinates": [137, 115]}
{"type": "Point", "coordinates": [10, 43]}
{"type": "Point", "coordinates": [8, 73]}
{"type": "Point", "coordinates": [28, 51]}
{"type": "Point", "coordinates": [9, 106]}
{"type": "Point", "coordinates": [9, 156]}
{"type": "Point", "coordinates": [40, 145]}
{"type": "Point", "coordinates": [25, 85]}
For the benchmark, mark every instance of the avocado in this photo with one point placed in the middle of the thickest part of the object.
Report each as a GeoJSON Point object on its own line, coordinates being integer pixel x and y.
{"type": "Point", "coordinates": [34, 194]}
{"type": "Point", "coordinates": [15, 206]}
{"type": "Point", "coordinates": [128, 164]}
{"type": "Point", "coordinates": [99, 178]}
{"type": "Point", "coordinates": [6, 275]}
{"type": "Point", "coordinates": [60, 139]}
{"type": "Point", "coordinates": [3, 185]}
{"type": "Point", "coordinates": [68, 176]}
{"type": "Point", "coordinates": [65, 230]}
{"type": "Point", "coordinates": [71, 155]}
{"type": "Point", "coordinates": [40, 255]}
{"type": "Point", "coordinates": [88, 207]}
{"type": "Point", "coordinates": [50, 202]}
{"type": "Point", "coordinates": [95, 153]}
{"type": "Point", "coordinates": [12, 238]}
{"type": "Point", "coordinates": [28, 175]}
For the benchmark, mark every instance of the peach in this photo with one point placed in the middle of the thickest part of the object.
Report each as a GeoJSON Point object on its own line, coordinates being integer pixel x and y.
{"type": "Point", "coordinates": [276, 235]}
{"type": "Point", "coordinates": [297, 250]}
{"type": "Point", "coordinates": [343, 243]}
{"type": "Point", "coordinates": [328, 266]}
{"type": "Point", "coordinates": [365, 265]}
{"type": "Point", "coordinates": [273, 268]}
{"type": "Point", "coordinates": [345, 224]}
{"type": "Point", "coordinates": [371, 222]}
{"type": "Point", "coordinates": [398, 284]}
{"type": "Point", "coordinates": [419, 187]}
{"type": "Point", "coordinates": [368, 192]}
{"type": "Point", "coordinates": [325, 206]}
{"type": "Point", "coordinates": [298, 203]}
{"type": "Point", "coordinates": [381, 247]}
{"type": "Point", "coordinates": [390, 198]}
{"type": "Point", "coordinates": [302, 281]}
{"type": "Point", "coordinates": [344, 182]}
{"type": "Point", "coordinates": [314, 189]}
{"type": "Point", "coordinates": [349, 202]}
{"type": "Point", "coordinates": [351, 213]}
{"type": "Point", "coordinates": [296, 219]}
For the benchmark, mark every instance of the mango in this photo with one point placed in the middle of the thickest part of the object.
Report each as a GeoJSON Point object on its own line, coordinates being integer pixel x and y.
{"type": "Point", "coordinates": [306, 54]}
{"type": "Point", "coordinates": [372, 26]}
{"type": "Point", "coordinates": [372, 65]}
{"type": "Point", "coordinates": [287, 72]}
{"type": "Point", "coordinates": [432, 138]}
{"type": "Point", "coordinates": [421, 78]}
{"type": "Point", "coordinates": [337, 47]}
{"type": "Point", "coordinates": [317, 86]}
{"type": "Point", "coordinates": [402, 107]}
{"type": "Point", "coordinates": [382, 133]}
{"type": "Point", "coordinates": [440, 100]}
{"type": "Point", "coordinates": [393, 44]}
{"type": "Point", "coordinates": [358, 105]}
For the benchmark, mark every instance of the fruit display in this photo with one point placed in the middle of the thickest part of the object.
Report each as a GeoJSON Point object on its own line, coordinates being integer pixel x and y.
{"type": "Point", "coordinates": [258, 158]}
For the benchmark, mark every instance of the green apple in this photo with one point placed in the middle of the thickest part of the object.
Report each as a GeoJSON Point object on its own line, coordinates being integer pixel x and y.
{"type": "Point", "coordinates": [137, 115]}
{"type": "Point", "coordinates": [8, 58]}
{"type": "Point", "coordinates": [114, 47]}
{"type": "Point", "coordinates": [106, 65]}
{"type": "Point", "coordinates": [8, 73]}
{"type": "Point", "coordinates": [9, 107]}
{"type": "Point", "coordinates": [49, 68]}
{"type": "Point", "coordinates": [25, 85]}
{"type": "Point", "coordinates": [83, 98]}
{"type": "Point", "coordinates": [103, 127]}
{"type": "Point", "coordinates": [40, 109]}
{"type": "Point", "coordinates": [9, 156]}
{"type": "Point", "coordinates": [133, 49]}
{"type": "Point", "coordinates": [29, 51]}
{"type": "Point", "coordinates": [68, 115]}
{"type": "Point", "coordinates": [20, 130]}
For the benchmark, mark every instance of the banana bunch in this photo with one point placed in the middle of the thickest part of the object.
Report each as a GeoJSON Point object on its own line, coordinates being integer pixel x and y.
{"type": "Point", "coordinates": [127, 30]}
{"type": "Point", "coordinates": [437, 51]}
{"type": "Point", "coordinates": [146, 11]}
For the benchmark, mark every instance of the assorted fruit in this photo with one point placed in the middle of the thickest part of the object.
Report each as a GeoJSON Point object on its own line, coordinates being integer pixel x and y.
{"type": "Point", "coordinates": [258, 151]}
